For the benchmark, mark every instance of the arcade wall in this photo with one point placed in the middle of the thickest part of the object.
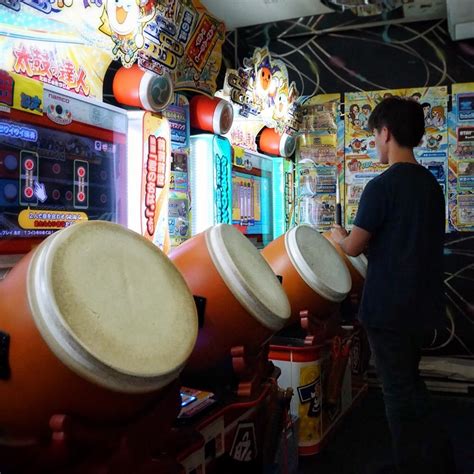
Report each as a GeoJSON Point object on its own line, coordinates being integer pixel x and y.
{"type": "Point", "coordinates": [339, 53]}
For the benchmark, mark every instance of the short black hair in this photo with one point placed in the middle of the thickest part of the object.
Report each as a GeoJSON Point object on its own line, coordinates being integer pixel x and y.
{"type": "Point", "coordinates": [404, 118]}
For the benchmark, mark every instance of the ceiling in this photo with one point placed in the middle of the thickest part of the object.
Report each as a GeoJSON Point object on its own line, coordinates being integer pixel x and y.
{"type": "Point", "coordinates": [240, 13]}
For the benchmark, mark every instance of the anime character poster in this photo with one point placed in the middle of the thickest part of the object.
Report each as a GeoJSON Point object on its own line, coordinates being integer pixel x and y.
{"type": "Point", "coordinates": [262, 89]}
{"type": "Point", "coordinates": [319, 156]}
{"type": "Point", "coordinates": [184, 39]}
{"type": "Point", "coordinates": [361, 160]}
{"type": "Point", "coordinates": [461, 158]}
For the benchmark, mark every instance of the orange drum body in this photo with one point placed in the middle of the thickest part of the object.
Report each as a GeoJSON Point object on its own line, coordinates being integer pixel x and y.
{"type": "Point", "coordinates": [315, 277]}
{"type": "Point", "coordinates": [271, 142]}
{"type": "Point", "coordinates": [245, 303]}
{"type": "Point", "coordinates": [357, 267]}
{"type": "Point", "coordinates": [144, 89]}
{"type": "Point", "coordinates": [211, 114]}
{"type": "Point", "coordinates": [82, 331]}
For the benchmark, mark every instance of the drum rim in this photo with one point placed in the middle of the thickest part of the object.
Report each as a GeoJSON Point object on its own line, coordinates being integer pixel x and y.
{"type": "Point", "coordinates": [62, 341]}
{"type": "Point", "coordinates": [307, 274]}
{"type": "Point", "coordinates": [218, 118]}
{"type": "Point", "coordinates": [238, 285]}
{"type": "Point", "coordinates": [360, 264]}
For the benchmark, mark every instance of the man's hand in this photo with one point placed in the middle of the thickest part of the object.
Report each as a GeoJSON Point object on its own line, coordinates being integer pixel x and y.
{"type": "Point", "coordinates": [353, 244]}
{"type": "Point", "coordinates": [338, 233]}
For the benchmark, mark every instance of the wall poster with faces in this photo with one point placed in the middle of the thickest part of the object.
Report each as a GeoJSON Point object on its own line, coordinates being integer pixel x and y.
{"type": "Point", "coordinates": [461, 158]}
{"type": "Point", "coordinates": [319, 156]}
{"type": "Point", "coordinates": [361, 160]}
{"type": "Point", "coordinates": [179, 214]}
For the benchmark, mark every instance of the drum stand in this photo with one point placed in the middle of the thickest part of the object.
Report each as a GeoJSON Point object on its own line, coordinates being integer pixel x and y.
{"type": "Point", "coordinates": [242, 430]}
{"type": "Point", "coordinates": [76, 446]}
{"type": "Point", "coordinates": [251, 370]}
{"type": "Point", "coordinates": [318, 331]}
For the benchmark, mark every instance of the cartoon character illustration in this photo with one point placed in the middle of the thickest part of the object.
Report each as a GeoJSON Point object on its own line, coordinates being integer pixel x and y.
{"type": "Point", "coordinates": [433, 142]}
{"type": "Point", "coordinates": [416, 96]}
{"type": "Point", "coordinates": [437, 117]}
{"type": "Point", "coordinates": [354, 165]}
{"type": "Point", "coordinates": [427, 113]}
{"type": "Point", "coordinates": [277, 83]}
{"type": "Point", "coordinates": [281, 104]}
{"type": "Point", "coordinates": [354, 111]}
{"type": "Point", "coordinates": [378, 98]}
{"type": "Point", "coordinates": [357, 124]}
{"type": "Point", "coordinates": [364, 116]}
{"type": "Point", "coordinates": [263, 80]}
{"type": "Point", "coordinates": [358, 146]}
{"type": "Point", "coordinates": [284, 101]}
{"type": "Point", "coordinates": [64, 3]}
{"type": "Point", "coordinates": [124, 21]}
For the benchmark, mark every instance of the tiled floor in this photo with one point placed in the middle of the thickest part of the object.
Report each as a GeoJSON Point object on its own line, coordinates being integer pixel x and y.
{"type": "Point", "coordinates": [363, 440]}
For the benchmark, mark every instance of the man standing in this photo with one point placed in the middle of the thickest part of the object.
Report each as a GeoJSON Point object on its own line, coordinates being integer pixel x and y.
{"type": "Point", "coordinates": [401, 218]}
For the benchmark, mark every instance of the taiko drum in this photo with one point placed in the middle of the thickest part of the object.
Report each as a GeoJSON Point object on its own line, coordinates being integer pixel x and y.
{"type": "Point", "coordinates": [244, 301]}
{"type": "Point", "coordinates": [315, 277]}
{"type": "Point", "coordinates": [357, 266]}
{"type": "Point", "coordinates": [99, 322]}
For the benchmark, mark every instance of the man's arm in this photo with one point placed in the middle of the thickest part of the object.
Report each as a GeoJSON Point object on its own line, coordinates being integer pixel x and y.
{"type": "Point", "coordinates": [354, 243]}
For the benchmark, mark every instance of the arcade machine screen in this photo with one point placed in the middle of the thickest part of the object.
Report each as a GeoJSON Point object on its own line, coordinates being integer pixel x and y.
{"type": "Point", "coordinates": [252, 198]}
{"type": "Point", "coordinates": [52, 176]}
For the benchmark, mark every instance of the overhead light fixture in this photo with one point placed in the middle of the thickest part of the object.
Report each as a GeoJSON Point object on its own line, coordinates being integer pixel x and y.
{"type": "Point", "coordinates": [363, 7]}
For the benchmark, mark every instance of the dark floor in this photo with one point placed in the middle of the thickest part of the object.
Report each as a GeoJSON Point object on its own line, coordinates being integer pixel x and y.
{"type": "Point", "coordinates": [362, 441]}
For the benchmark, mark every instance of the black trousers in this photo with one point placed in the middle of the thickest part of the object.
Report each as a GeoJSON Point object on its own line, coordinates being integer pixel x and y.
{"type": "Point", "coordinates": [420, 442]}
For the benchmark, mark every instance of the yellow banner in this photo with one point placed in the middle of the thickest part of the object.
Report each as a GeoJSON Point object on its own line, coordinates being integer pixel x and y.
{"type": "Point", "coordinates": [49, 220]}
{"type": "Point", "coordinates": [156, 180]}
{"type": "Point", "coordinates": [21, 93]}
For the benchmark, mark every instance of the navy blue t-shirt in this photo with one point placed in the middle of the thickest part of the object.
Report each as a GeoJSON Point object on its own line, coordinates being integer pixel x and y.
{"type": "Point", "coordinates": [404, 210]}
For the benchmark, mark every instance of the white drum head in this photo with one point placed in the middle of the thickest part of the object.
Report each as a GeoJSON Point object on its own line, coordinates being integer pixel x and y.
{"type": "Point", "coordinates": [248, 276]}
{"type": "Point", "coordinates": [318, 262]}
{"type": "Point", "coordinates": [112, 306]}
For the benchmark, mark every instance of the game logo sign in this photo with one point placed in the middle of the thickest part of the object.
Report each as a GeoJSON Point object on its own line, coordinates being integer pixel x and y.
{"type": "Point", "coordinates": [67, 67]}
{"type": "Point", "coordinates": [79, 39]}
{"type": "Point", "coordinates": [262, 89]}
